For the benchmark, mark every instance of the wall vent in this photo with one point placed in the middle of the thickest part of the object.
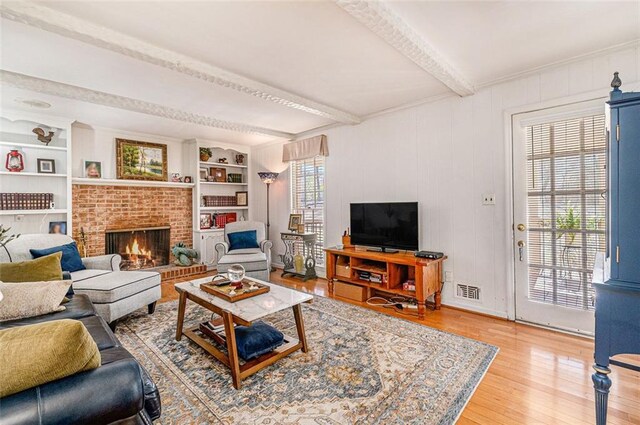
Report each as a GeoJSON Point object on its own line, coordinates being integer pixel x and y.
{"type": "Point", "coordinates": [467, 291]}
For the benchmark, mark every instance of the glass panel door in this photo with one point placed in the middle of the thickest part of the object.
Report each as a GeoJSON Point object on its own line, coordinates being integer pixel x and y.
{"type": "Point", "coordinates": [560, 183]}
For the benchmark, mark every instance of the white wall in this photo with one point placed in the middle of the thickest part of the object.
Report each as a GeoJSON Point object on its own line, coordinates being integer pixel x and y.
{"type": "Point", "coordinates": [445, 155]}
{"type": "Point", "coordinates": [99, 144]}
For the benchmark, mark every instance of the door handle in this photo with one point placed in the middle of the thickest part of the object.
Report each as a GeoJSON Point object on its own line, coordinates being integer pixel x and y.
{"type": "Point", "coordinates": [522, 227]}
{"type": "Point", "coordinates": [521, 245]}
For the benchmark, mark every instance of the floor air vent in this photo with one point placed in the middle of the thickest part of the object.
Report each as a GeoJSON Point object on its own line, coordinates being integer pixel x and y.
{"type": "Point", "coordinates": [467, 291]}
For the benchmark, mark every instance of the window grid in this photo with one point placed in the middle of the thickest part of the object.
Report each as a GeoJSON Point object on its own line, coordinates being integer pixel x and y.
{"type": "Point", "coordinates": [307, 198]}
{"type": "Point", "coordinates": [566, 208]}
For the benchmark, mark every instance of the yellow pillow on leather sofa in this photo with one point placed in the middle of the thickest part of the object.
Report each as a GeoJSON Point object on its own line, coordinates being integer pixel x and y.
{"type": "Point", "coordinates": [41, 269]}
{"type": "Point", "coordinates": [33, 355]}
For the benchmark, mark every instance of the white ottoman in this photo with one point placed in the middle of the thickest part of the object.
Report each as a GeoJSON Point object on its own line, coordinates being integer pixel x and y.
{"type": "Point", "coordinates": [118, 293]}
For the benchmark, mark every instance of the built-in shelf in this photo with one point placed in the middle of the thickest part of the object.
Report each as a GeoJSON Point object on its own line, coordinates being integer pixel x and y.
{"type": "Point", "coordinates": [223, 208]}
{"type": "Point", "coordinates": [122, 182]}
{"type": "Point", "coordinates": [25, 174]}
{"type": "Point", "coordinates": [32, 212]}
{"type": "Point", "coordinates": [225, 183]}
{"type": "Point", "coordinates": [205, 240]}
{"type": "Point", "coordinates": [32, 146]}
{"type": "Point", "coordinates": [216, 230]}
{"type": "Point", "coordinates": [218, 164]}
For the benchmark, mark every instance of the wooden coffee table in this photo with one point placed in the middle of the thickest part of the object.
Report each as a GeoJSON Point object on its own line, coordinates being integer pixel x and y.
{"type": "Point", "coordinates": [243, 312]}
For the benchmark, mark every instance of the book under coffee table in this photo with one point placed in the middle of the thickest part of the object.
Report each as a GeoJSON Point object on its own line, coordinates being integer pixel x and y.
{"type": "Point", "coordinates": [243, 312]}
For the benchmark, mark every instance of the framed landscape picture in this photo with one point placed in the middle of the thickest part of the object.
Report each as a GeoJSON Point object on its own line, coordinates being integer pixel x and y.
{"type": "Point", "coordinates": [141, 160]}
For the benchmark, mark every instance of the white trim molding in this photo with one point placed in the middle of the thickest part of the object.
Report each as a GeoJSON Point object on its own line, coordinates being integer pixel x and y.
{"type": "Point", "coordinates": [27, 82]}
{"type": "Point", "coordinates": [386, 24]}
{"type": "Point", "coordinates": [69, 26]}
{"type": "Point", "coordinates": [131, 183]}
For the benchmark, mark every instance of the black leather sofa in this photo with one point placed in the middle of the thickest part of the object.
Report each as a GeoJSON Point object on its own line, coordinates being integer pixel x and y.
{"type": "Point", "coordinates": [118, 392]}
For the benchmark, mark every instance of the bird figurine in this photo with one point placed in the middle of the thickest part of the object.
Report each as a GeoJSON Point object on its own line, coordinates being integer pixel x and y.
{"type": "Point", "coordinates": [41, 137]}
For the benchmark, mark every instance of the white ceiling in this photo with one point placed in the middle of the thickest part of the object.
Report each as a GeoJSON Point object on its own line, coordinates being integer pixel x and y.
{"type": "Point", "coordinates": [315, 51]}
{"type": "Point", "coordinates": [490, 40]}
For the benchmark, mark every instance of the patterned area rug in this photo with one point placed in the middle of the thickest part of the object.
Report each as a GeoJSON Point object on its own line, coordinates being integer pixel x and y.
{"type": "Point", "coordinates": [363, 367]}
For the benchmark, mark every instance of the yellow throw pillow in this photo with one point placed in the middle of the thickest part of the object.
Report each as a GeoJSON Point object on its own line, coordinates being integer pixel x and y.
{"type": "Point", "coordinates": [41, 269]}
{"type": "Point", "coordinates": [33, 355]}
{"type": "Point", "coordinates": [28, 299]}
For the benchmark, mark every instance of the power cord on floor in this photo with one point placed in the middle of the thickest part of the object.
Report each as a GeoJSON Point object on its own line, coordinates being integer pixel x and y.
{"type": "Point", "coordinates": [400, 304]}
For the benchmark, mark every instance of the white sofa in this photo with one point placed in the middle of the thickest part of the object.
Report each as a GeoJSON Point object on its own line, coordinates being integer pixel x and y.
{"type": "Point", "coordinates": [114, 293]}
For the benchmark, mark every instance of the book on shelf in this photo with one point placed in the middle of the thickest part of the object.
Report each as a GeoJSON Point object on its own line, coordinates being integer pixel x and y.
{"type": "Point", "coordinates": [26, 201]}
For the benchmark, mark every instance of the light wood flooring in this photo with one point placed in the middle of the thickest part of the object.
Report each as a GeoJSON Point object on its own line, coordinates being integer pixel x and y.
{"type": "Point", "coordinates": [538, 377]}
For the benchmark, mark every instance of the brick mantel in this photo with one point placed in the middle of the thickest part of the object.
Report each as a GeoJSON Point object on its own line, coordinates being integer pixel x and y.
{"type": "Point", "coordinates": [100, 208]}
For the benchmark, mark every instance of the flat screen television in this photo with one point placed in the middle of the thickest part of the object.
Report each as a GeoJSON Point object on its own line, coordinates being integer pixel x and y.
{"type": "Point", "coordinates": [386, 225]}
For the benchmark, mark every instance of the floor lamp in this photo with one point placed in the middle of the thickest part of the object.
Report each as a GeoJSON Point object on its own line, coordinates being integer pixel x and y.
{"type": "Point", "coordinates": [268, 178]}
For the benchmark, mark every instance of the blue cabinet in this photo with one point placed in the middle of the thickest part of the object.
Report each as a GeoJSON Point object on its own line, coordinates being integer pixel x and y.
{"type": "Point", "coordinates": [625, 183]}
{"type": "Point", "coordinates": [618, 295]}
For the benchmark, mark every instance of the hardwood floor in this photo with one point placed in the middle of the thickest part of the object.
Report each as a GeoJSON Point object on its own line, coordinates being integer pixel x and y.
{"type": "Point", "coordinates": [538, 377]}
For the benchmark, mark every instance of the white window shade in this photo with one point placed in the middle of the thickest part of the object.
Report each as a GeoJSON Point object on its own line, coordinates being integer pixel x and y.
{"type": "Point", "coordinates": [566, 208]}
{"type": "Point", "coordinates": [307, 198]}
{"type": "Point", "coordinates": [305, 149]}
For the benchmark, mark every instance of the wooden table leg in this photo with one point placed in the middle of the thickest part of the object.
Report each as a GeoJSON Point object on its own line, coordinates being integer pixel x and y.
{"type": "Point", "coordinates": [181, 308]}
{"type": "Point", "coordinates": [297, 313]}
{"type": "Point", "coordinates": [232, 349]}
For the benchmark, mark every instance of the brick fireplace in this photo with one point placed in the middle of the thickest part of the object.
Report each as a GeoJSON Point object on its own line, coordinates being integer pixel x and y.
{"type": "Point", "coordinates": [98, 209]}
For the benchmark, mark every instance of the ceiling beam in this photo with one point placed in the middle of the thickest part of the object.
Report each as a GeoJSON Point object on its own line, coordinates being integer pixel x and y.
{"type": "Point", "coordinates": [54, 88]}
{"type": "Point", "coordinates": [69, 26]}
{"type": "Point", "coordinates": [387, 25]}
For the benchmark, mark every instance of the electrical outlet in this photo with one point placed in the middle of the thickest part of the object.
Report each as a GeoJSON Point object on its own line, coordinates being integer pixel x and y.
{"type": "Point", "coordinates": [19, 217]}
{"type": "Point", "coordinates": [448, 276]}
{"type": "Point", "coordinates": [489, 199]}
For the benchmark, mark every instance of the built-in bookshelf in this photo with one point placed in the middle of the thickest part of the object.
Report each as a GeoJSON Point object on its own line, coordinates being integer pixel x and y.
{"type": "Point", "coordinates": [213, 180]}
{"type": "Point", "coordinates": [16, 133]}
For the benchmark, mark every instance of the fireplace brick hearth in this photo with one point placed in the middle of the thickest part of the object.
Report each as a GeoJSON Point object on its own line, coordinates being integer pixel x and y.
{"type": "Point", "coordinates": [100, 208]}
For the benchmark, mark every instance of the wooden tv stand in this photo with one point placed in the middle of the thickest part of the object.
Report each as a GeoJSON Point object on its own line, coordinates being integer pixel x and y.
{"type": "Point", "coordinates": [396, 268]}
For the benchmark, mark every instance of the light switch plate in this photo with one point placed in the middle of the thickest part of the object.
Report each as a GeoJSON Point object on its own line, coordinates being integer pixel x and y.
{"type": "Point", "coordinates": [448, 276]}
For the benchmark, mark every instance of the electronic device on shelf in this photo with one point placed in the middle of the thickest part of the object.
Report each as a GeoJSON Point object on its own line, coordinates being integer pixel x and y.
{"type": "Point", "coordinates": [389, 226]}
{"type": "Point", "coordinates": [431, 255]}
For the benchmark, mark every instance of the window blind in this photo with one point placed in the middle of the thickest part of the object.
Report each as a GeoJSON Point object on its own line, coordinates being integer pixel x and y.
{"type": "Point", "coordinates": [307, 198]}
{"type": "Point", "coordinates": [566, 208]}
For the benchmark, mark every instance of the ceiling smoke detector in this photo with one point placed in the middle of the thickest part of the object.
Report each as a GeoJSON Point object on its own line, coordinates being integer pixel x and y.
{"type": "Point", "coordinates": [33, 103]}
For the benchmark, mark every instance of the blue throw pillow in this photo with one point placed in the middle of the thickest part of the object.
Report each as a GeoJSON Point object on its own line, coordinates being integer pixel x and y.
{"type": "Point", "coordinates": [70, 262]}
{"type": "Point", "coordinates": [243, 240]}
{"type": "Point", "coordinates": [257, 339]}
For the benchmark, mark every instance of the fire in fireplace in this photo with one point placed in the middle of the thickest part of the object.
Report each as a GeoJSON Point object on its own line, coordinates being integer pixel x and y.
{"type": "Point", "coordinates": [141, 248]}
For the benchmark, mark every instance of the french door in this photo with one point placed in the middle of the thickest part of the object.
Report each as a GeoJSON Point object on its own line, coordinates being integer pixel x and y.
{"type": "Point", "coordinates": [560, 181]}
